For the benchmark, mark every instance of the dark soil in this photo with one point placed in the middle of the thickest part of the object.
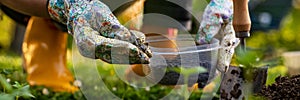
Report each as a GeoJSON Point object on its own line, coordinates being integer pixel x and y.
{"type": "Point", "coordinates": [186, 60]}
{"type": "Point", "coordinates": [283, 88]}
{"type": "Point", "coordinates": [173, 78]}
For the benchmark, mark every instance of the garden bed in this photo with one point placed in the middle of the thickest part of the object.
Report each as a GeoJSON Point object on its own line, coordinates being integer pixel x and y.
{"type": "Point", "coordinates": [283, 88]}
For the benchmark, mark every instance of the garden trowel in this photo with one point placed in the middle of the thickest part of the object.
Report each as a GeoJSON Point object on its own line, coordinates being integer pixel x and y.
{"type": "Point", "coordinates": [241, 21]}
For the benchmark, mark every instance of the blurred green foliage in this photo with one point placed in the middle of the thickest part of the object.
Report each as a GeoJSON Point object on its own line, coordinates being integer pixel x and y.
{"type": "Point", "coordinates": [274, 42]}
{"type": "Point", "coordinates": [249, 58]}
{"type": "Point", "coordinates": [9, 60]}
{"type": "Point", "coordinates": [120, 88]}
{"type": "Point", "coordinates": [274, 72]}
{"type": "Point", "coordinates": [6, 28]}
{"type": "Point", "coordinates": [11, 69]}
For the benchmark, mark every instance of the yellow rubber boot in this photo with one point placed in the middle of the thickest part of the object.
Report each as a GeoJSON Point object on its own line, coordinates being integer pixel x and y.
{"type": "Point", "coordinates": [44, 53]}
{"type": "Point", "coordinates": [132, 16]}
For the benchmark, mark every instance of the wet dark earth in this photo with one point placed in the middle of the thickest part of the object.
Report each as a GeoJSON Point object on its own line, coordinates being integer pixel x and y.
{"type": "Point", "coordinates": [287, 88]}
{"type": "Point", "coordinates": [173, 78]}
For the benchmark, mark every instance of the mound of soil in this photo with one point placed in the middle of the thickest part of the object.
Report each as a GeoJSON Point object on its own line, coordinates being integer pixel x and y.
{"type": "Point", "coordinates": [283, 88]}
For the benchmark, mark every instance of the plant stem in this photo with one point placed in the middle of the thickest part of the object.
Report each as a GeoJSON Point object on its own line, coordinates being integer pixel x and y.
{"type": "Point", "coordinates": [185, 89]}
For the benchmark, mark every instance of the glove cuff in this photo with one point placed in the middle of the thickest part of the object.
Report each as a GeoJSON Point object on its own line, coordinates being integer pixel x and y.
{"type": "Point", "coordinates": [56, 10]}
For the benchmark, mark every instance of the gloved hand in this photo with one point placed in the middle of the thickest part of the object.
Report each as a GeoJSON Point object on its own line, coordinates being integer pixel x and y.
{"type": "Point", "coordinates": [217, 19]}
{"type": "Point", "coordinates": [97, 32]}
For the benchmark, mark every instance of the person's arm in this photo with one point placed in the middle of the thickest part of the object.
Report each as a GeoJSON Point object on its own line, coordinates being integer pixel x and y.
{"type": "Point", "coordinates": [96, 31]}
{"type": "Point", "coordinates": [28, 7]}
{"type": "Point", "coordinates": [217, 19]}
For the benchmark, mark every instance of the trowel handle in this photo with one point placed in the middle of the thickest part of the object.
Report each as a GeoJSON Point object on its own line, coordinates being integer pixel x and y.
{"type": "Point", "coordinates": [241, 18]}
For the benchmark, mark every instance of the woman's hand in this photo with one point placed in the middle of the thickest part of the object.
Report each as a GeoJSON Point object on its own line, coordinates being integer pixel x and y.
{"type": "Point", "coordinates": [97, 32]}
{"type": "Point", "coordinates": [217, 19]}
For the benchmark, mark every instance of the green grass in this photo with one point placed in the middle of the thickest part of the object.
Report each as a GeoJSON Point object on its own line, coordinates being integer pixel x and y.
{"type": "Point", "coordinates": [274, 72]}
{"type": "Point", "coordinates": [9, 60]}
{"type": "Point", "coordinates": [11, 68]}
{"type": "Point", "coordinates": [6, 28]}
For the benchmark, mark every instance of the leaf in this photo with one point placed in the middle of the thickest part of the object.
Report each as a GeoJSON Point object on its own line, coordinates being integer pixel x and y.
{"type": "Point", "coordinates": [248, 58]}
{"type": "Point", "coordinates": [17, 85]}
{"type": "Point", "coordinates": [23, 92]}
{"type": "Point", "coordinates": [5, 84]}
{"type": "Point", "coordinates": [6, 71]}
{"type": "Point", "coordinates": [270, 63]}
{"type": "Point", "coordinates": [4, 96]}
{"type": "Point", "coordinates": [189, 71]}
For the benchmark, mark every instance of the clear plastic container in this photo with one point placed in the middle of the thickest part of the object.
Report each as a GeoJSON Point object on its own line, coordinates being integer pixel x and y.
{"type": "Point", "coordinates": [182, 51]}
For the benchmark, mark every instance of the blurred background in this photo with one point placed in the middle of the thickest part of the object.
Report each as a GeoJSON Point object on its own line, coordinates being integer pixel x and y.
{"type": "Point", "coordinates": [274, 18]}
{"type": "Point", "coordinates": [275, 30]}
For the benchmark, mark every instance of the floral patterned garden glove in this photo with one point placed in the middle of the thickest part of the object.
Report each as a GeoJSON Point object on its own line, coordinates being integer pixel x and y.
{"type": "Point", "coordinates": [217, 19]}
{"type": "Point", "coordinates": [97, 32]}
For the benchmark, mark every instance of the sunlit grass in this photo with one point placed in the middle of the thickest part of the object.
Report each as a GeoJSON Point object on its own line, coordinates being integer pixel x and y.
{"type": "Point", "coordinates": [274, 72]}
{"type": "Point", "coordinates": [9, 60]}
{"type": "Point", "coordinates": [6, 28]}
{"type": "Point", "coordinates": [113, 83]}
